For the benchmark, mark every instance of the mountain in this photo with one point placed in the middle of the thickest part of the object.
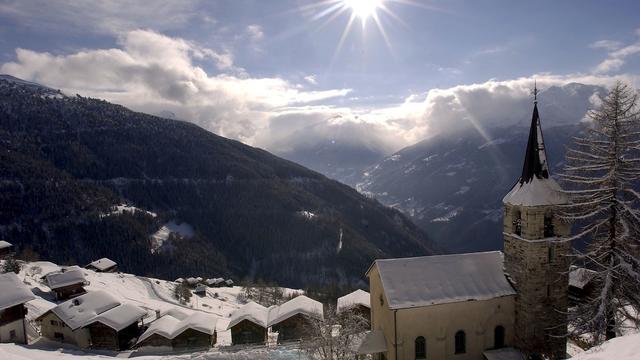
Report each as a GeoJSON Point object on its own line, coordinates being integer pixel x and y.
{"type": "Point", "coordinates": [452, 186]}
{"type": "Point", "coordinates": [339, 151]}
{"type": "Point", "coordinates": [81, 178]}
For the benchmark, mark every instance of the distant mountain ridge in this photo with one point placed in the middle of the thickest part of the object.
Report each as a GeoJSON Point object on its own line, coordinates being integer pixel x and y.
{"type": "Point", "coordinates": [66, 162]}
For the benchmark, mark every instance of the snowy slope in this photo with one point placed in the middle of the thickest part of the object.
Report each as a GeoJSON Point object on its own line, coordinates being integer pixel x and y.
{"type": "Point", "coordinates": [622, 348]}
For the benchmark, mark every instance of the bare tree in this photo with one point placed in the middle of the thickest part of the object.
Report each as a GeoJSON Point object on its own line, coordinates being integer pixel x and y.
{"type": "Point", "coordinates": [335, 337]}
{"type": "Point", "coordinates": [601, 171]}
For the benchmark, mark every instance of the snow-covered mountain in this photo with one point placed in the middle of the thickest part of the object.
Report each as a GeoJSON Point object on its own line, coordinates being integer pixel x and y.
{"type": "Point", "coordinates": [452, 184]}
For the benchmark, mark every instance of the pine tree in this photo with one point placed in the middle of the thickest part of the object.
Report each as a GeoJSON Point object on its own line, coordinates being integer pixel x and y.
{"type": "Point", "coordinates": [601, 171]}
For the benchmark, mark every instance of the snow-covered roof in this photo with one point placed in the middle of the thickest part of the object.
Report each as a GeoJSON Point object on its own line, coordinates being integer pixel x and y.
{"type": "Point", "coordinates": [228, 282]}
{"type": "Point", "coordinates": [81, 311]}
{"type": "Point", "coordinates": [14, 292]}
{"type": "Point", "coordinates": [251, 311]}
{"type": "Point", "coordinates": [536, 192]}
{"type": "Point", "coordinates": [441, 279]}
{"type": "Point", "coordinates": [358, 297]}
{"type": "Point", "coordinates": [121, 316]}
{"type": "Point", "coordinates": [373, 342]}
{"type": "Point", "coordinates": [579, 277]}
{"type": "Point", "coordinates": [504, 354]}
{"type": "Point", "coordinates": [298, 305]}
{"type": "Point", "coordinates": [103, 264]}
{"type": "Point", "coordinates": [266, 317]}
{"type": "Point", "coordinates": [5, 244]}
{"type": "Point", "coordinates": [201, 288]}
{"type": "Point", "coordinates": [71, 275]}
{"type": "Point", "coordinates": [193, 281]}
{"type": "Point", "coordinates": [214, 281]}
{"type": "Point", "coordinates": [169, 326]}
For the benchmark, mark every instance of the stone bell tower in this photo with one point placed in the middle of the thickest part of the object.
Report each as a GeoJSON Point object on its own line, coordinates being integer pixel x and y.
{"type": "Point", "coordinates": [535, 261]}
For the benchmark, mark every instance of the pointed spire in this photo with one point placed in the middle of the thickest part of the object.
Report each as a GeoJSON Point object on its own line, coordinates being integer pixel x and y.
{"type": "Point", "coordinates": [535, 158]}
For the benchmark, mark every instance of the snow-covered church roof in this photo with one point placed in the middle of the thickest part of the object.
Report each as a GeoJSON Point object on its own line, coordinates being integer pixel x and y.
{"type": "Point", "coordinates": [535, 187]}
{"type": "Point", "coordinates": [441, 279]}
{"type": "Point", "coordinates": [14, 292]}
{"type": "Point", "coordinates": [358, 297]}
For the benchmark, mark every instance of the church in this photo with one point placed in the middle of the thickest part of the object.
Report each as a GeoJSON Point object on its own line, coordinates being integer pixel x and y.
{"type": "Point", "coordinates": [487, 305]}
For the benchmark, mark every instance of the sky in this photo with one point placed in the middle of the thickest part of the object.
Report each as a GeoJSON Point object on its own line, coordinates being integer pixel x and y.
{"type": "Point", "coordinates": [265, 72]}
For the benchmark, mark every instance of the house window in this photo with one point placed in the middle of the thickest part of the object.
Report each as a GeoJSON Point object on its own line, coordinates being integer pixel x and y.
{"type": "Point", "coordinates": [517, 223]}
{"type": "Point", "coordinates": [498, 337]}
{"type": "Point", "coordinates": [548, 226]}
{"type": "Point", "coordinates": [12, 335]}
{"type": "Point", "coordinates": [421, 347]}
{"type": "Point", "coordinates": [58, 336]}
{"type": "Point", "coordinates": [381, 300]}
{"type": "Point", "coordinates": [460, 342]}
{"type": "Point", "coordinates": [53, 323]}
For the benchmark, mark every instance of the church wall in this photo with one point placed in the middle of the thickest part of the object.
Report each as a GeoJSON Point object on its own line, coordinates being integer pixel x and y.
{"type": "Point", "coordinates": [439, 324]}
{"type": "Point", "coordinates": [381, 315]}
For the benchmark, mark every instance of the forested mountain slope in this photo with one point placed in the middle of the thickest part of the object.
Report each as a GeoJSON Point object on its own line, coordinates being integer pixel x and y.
{"type": "Point", "coordinates": [66, 162]}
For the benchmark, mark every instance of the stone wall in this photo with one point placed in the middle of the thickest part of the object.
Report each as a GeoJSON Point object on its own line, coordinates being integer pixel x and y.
{"type": "Point", "coordinates": [538, 268]}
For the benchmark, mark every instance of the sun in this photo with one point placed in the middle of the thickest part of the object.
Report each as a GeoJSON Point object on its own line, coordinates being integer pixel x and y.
{"type": "Point", "coordinates": [363, 9]}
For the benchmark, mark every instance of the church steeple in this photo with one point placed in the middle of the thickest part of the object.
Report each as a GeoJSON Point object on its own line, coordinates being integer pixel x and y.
{"type": "Point", "coordinates": [535, 158]}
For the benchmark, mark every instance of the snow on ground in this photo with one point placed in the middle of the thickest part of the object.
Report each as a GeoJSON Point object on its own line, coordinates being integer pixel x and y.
{"type": "Point", "coordinates": [51, 351]}
{"type": "Point", "coordinates": [621, 348]}
{"type": "Point", "coordinates": [122, 208]}
{"type": "Point", "coordinates": [160, 237]}
{"type": "Point", "coordinates": [148, 293]}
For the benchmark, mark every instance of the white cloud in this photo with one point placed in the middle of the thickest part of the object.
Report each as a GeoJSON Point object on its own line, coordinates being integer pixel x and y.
{"type": "Point", "coordinates": [311, 79]}
{"type": "Point", "coordinates": [606, 44]}
{"type": "Point", "coordinates": [105, 16]}
{"type": "Point", "coordinates": [255, 32]}
{"type": "Point", "coordinates": [617, 56]}
{"type": "Point", "coordinates": [153, 73]}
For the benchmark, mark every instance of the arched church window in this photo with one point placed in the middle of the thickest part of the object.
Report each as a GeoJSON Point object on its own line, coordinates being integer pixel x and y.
{"type": "Point", "coordinates": [498, 337]}
{"type": "Point", "coordinates": [421, 347]}
{"type": "Point", "coordinates": [460, 342]}
{"type": "Point", "coordinates": [551, 253]}
{"type": "Point", "coordinates": [549, 231]}
{"type": "Point", "coordinates": [517, 223]}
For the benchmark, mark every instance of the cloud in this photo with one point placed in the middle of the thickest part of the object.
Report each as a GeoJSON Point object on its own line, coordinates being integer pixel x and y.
{"type": "Point", "coordinates": [154, 73]}
{"type": "Point", "coordinates": [311, 79]}
{"type": "Point", "coordinates": [606, 44]}
{"type": "Point", "coordinates": [255, 32]}
{"type": "Point", "coordinates": [617, 56]}
{"type": "Point", "coordinates": [107, 16]}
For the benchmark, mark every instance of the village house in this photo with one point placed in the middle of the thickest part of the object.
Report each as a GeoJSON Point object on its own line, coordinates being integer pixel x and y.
{"type": "Point", "coordinates": [6, 249]}
{"type": "Point", "coordinates": [290, 319]}
{"type": "Point", "coordinates": [94, 320]}
{"type": "Point", "coordinates": [201, 290]}
{"type": "Point", "coordinates": [103, 265]}
{"type": "Point", "coordinates": [483, 305]}
{"type": "Point", "coordinates": [581, 285]}
{"type": "Point", "coordinates": [13, 295]}
{"type": "Point", "coordinates": [358, 301]}
{"type": "Point", "coordinates": [215, 282]}
{"type": "Point", "coordinates": [249, 324]}
{"type": "Point", "coordinates": [66, 283]}
{"type": "Point", "coordinates": [177, 330]}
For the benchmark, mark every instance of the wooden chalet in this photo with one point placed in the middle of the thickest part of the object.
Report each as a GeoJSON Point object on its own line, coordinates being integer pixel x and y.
{"type": "Point", "coordinates": [66, 283]}
{"type": "Point", "coordinates": [6, 249]}
{"type": "Point", "coordinates": [290, 319]}
{"type": "Point", "coordinates": [103, 265]}
{"type": "Point", "coordinates": [13, 295]}
{"type": "Point", "coordinates": [248, 324]}
{"type": "Point", "coordinates": [358, 302]}
{"type": "Point", "coordinates": [177, 330]}
{"type": "Point", "coordinates": [94, 320]}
